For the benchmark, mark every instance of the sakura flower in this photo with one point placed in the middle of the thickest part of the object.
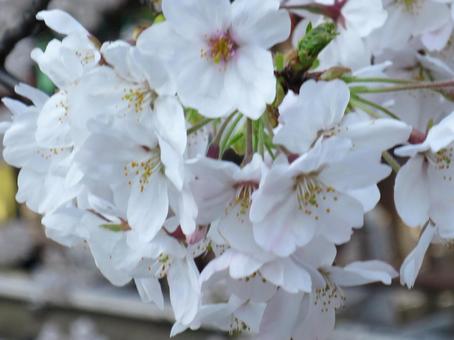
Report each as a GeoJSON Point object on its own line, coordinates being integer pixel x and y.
{"type": "Point", "coordinates": [44, 170]}
{"type": "Point", "coordinates": [309, 117]}
{"type": "Point", "coordinates": [427, 20]}
{"type": "Point", "coordinates": [65, 63]}
{"type": "Point", "coordinates": [223, 47]}
{"type": "Point", "coordinates": [318, 309]}
{"type": "Point", "coordinates": [423, 190]}
{"type": "Point", "coordinates": [313, 195]}
{"type": "Point", "coordinates": [144, 167]}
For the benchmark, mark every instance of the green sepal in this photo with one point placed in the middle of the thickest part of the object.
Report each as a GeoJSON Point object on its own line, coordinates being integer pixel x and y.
{"type": "Point", "coordinates": [313, 42]}
{"type": "Point", "coordinates": [113, 227]}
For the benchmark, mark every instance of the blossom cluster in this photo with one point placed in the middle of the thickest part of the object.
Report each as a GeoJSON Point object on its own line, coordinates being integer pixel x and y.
{"type": "Point", "coordinates": [230, 147]}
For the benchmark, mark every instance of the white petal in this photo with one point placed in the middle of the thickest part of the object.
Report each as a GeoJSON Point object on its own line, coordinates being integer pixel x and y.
{"type": "Point", "coordinates": [61, 22]}
{"type": "Point", "coordinates": [195, 18]}
{"type": "Point", "coordinates": [184, 290]}
{"type": "Point", "coordinates": [413, 262]}
{"type": "Point", "coordinates": [53, 128]}
{"type": "Point", "coordinates": [281, 316]}
{"type": "Point", "coordinates": [284, 229]}
{"type": "Point", "coordinates": [411, 192]}
{"type": "Point", "coordinates": [250, 81]}
{"type": "Point", "coordinates": [147, 209]}
{"type": "Point", "coordinates": [364, 18]}
{"type": "Point", "coordinates": [259, 22]}
{"type": "Point", "coordinates": [150, 291]}
{"type": "Point", "coordinates": [170, 122]}
{"type": "Point", "coordinates": [360, 273]}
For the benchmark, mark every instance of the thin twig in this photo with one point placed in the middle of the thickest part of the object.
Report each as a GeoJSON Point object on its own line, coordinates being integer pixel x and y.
{"type": "Point", "coordinates": [8, 80]}
{"type": "Point", "coordinates": [436, 85]}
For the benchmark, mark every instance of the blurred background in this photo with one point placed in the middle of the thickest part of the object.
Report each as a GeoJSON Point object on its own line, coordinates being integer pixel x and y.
{"type": "Point", "coordinates": [49, 292]}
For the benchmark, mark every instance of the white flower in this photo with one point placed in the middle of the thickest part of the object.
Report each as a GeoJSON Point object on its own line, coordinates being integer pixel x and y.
{"type": "Point", "coordinates": [313, 195]}
{"type": "Point", "coordinates": [143, 168]}
{"type": "Point", "coordinates": [312, 316]}
{"type": "Point", "coordinates": [319, 111]}
{"type": "Point", "coordinates": [45, 170]}
{"type": "Point", "coordinates": [223, 48]}
{"type": "Point", "coordinates": [427, 20]}
{"type": "Point", "coordinates": [423, 191]}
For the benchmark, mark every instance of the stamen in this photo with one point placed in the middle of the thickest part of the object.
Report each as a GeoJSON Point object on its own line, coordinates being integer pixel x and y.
{"type": "Point", "coordinates": [441, 160]}
{"type": "Point", "coordinates": [222, 48]}
{"type": "Point", "coordinates": [329, 297]}
{"type": "Point", "coordinates": [144, 169]}
{"type": "Point", "coordinates": [411, 6]}
{"type": "Point", "coordinates": [243, 199]}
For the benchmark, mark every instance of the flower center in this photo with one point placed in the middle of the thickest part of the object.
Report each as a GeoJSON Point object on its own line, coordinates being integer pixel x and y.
{"type": "Point", "coordinates": [442, 159]}
{"type": "Point", "coordinates": [313, 196]}
{"type": "Point", "coordinates": [307, 190]}
{"type": "Point", "coordinates": [243, 198]}
{"type": "Point", "coordinates": [329, 297]}
{"type": "Point", "coordinates": [410, 6]}
{"type": "Point", "coordinates": [138, 97]}
{"type": "Point", "coordinates": [143, 169]}
{"type": "Point", "coordinates": [222, 48]}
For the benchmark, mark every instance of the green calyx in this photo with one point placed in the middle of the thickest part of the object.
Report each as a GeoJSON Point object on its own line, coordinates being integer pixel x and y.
{"type": "Point", "coordinates": [313, 42]}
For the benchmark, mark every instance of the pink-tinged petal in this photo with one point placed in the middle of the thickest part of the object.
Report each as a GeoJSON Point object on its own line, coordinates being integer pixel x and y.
{"type": "Point", "coordinates": [411, 192]}
{"type": "Point", "coordinates": [413, 262]}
